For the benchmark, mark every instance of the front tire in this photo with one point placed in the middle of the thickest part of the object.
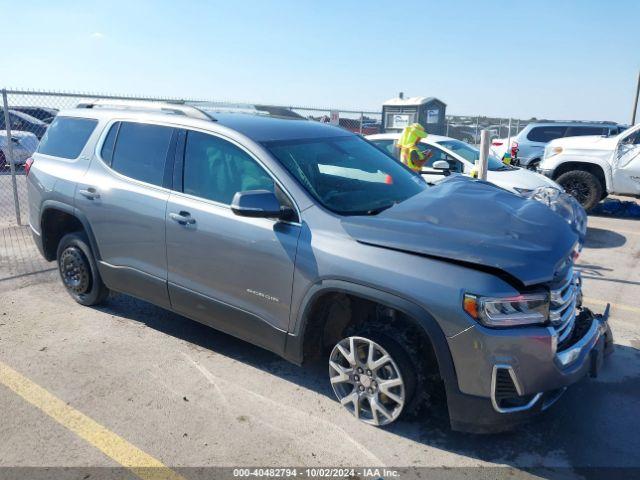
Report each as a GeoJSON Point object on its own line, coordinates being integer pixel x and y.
{"type": "Point", "coordinates": [533, 165]}
{"type": "Point", "coordinates": [79, 271]}
{"type": "Point", "coordinates": [373, 377]}
{"type": "Point", "coordinates": [583, 186]}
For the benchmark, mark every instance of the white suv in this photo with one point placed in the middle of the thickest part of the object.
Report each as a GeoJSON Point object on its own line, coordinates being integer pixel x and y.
{"type": "Point", "coordinates": [590, 168]}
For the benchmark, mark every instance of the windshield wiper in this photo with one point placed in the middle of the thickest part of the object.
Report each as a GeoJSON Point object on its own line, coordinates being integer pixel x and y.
{"type": "Point", "coordinates": [376, 211]}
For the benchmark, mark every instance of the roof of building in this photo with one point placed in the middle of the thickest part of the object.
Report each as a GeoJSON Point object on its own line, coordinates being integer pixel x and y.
{"type": "Point", "coordinates": [411, 101]}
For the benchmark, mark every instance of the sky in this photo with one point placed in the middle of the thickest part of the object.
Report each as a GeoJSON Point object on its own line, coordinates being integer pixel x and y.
{"type": "Point", "coordinates": [547, 59]}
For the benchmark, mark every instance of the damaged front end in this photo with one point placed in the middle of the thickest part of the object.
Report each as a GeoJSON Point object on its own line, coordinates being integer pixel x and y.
{"type": "Point", "coordinates": [525, 370]}
{"type": "Point", "coordinates": [564, 205]}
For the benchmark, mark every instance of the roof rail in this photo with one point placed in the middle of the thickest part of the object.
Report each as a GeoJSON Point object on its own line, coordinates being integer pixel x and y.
{"type": "Point", "coordinates": [591, 122]}
{"type": "Point", "coordinates": [176, 108]}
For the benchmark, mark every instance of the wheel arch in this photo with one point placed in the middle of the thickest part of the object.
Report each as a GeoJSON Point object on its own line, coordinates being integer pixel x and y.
{"type": "Point", "coordinates": [58, 219]}
{"type": "Point", "coordinates": [422, 319]}
{"type": "Point", "coordinates": [594, 168]}
{"type": "Point", "coordinates": [534, 161]}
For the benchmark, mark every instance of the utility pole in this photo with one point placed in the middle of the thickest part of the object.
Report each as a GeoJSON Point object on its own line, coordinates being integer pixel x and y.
{"type": "Point", "coordinates": [635, 102]}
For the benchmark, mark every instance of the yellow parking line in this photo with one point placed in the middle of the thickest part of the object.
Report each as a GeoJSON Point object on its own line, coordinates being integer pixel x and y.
{"type": "Point", "coordinates": [112, 445]}
{"type": "Point", "coordinates": [615, 306]}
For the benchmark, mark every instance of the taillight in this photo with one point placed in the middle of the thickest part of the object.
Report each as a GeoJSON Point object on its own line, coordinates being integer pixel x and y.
{"type": "Point", "coordinates": [27, 165]}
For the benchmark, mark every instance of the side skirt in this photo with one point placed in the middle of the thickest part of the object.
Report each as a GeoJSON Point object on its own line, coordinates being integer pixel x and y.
{"type": "Point", "coordinates": [135, 283]}
{"type": "Point", "coordinates": [227, 318]}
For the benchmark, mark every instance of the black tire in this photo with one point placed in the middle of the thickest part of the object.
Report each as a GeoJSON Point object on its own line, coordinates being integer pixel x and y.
{"type": "Point", "coordinates": [409, 355]}
{"type": "Point", "coordinates": [583, 185]}
{"type": "Point", "coordinates": [79, 271]}
{"type": "Point", "coordinates": [401, 354]}
{"type": "Point", "coordinates": [533, 164]}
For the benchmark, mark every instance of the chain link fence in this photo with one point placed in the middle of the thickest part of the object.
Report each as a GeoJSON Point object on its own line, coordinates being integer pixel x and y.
{"type": "Point", "coordinates": [25, 116]}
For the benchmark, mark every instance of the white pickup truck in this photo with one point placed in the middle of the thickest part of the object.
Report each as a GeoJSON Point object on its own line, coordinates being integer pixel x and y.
{"type": "Point", "coordinates": [590, 168]}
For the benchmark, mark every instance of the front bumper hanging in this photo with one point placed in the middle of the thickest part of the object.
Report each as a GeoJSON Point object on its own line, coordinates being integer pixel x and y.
{"type": "Point", "coordinates": [579, 355]}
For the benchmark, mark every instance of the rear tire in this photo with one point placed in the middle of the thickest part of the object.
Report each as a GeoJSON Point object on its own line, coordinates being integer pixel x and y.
{"type": "Point", "coordinates": [583, 185]}
{"type": "Point", "coordinates": [79, 271]}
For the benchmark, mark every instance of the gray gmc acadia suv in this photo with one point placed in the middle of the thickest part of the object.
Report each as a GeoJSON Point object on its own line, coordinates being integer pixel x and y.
{"type": "Point", "coordinates": [307, 240]}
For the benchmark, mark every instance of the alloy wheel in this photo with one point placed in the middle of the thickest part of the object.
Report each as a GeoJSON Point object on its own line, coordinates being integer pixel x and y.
{"type": "Point", "coordinates": [579, 190]}
{"type": "Point", "coordinates": [367, 380]}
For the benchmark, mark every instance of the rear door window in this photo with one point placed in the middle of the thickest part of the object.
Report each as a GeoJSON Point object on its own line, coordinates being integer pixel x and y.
{"type": "Point", "coordinates": [67, 136]}
{"type": "Point", "coordinates": [580, 131]}
{"type": "Point", "coordinates": [546, 134]}
{"type": "Point", "coordinates": [141, 151]}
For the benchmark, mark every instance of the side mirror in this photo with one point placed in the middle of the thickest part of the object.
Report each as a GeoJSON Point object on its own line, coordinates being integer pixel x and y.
{"type": "Point", "coordinates": [444, 166]}
{"type": "Point", "coordinates": [256, 203]}
{"type": "Point", "coordinates": [441, 165]}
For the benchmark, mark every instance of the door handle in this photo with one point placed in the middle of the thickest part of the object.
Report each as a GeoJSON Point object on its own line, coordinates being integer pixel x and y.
{"type": "Point", "coordinates": [89, 193]}
{"type": "Point", "coordinates": [183, 218]}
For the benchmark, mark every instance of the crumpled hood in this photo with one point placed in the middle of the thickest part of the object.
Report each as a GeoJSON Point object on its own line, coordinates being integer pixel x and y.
{"type": "Point", "coordinates": [474, 222]}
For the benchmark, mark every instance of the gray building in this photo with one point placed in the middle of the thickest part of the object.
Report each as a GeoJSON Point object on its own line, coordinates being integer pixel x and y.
{"type": "Point", "coordinates": [399, 112]}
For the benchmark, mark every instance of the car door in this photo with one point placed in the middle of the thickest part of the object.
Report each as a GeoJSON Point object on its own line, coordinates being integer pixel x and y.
{"type": "Point", "coordinates": [124, 197]}
{"type": "Point", "coordinates": [233, 273]}
{"type": "Point", "coordinates": [626, 164]}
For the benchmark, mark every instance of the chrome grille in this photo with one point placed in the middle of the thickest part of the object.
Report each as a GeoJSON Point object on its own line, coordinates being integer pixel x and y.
{"type": "Point", "coordinates": [564, 300]}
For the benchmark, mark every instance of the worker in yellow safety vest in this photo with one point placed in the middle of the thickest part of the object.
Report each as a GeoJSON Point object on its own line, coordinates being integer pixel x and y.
{"type": "Point", "coordinates": [410, 154]}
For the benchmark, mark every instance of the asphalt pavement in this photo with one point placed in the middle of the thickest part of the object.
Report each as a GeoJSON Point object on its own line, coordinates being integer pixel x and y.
{"type": "Point", "coordinates": [81, 386]}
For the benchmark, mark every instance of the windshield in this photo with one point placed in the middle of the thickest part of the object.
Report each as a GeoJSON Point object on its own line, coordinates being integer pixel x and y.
{"type": "Point", "coordinates": [347, 174]}
{"type": "Point", "coordinates": [472, 154]}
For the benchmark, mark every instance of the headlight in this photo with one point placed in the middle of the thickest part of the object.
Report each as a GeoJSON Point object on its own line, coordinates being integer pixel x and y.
{"type": "Point", "coordinates": [526, 309]}
{"type": "Point", "coordinates": [564, 205]}
{"type": "Point", "coordinates": [550, 151]}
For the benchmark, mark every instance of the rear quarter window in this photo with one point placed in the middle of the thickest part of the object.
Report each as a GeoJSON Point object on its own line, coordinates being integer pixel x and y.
{"type": "Point", "coordinates": [67, 136]}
